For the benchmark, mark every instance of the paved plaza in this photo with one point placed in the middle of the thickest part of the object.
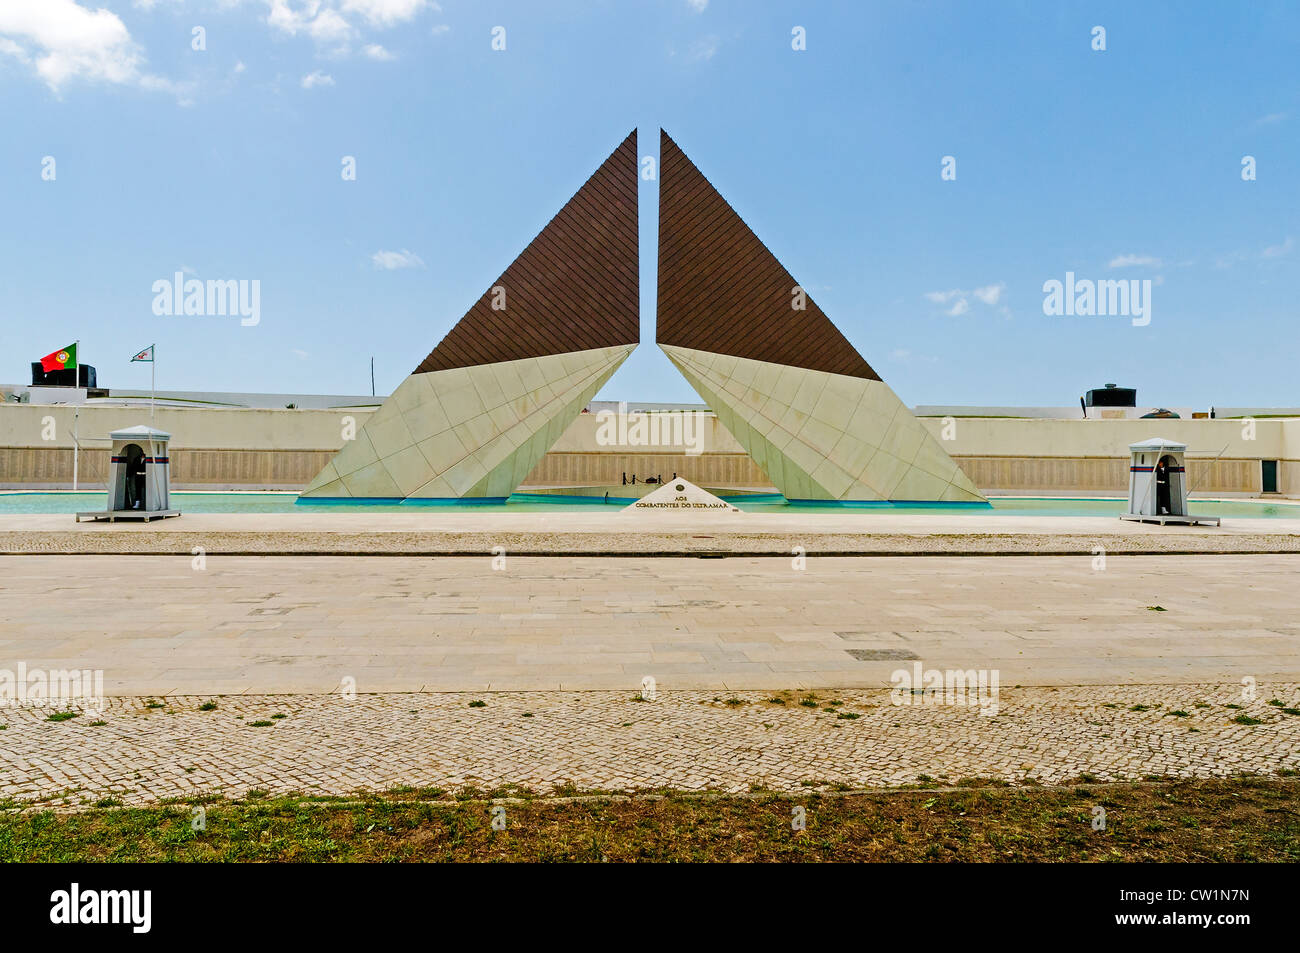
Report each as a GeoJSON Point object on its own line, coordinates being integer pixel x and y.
{"type": "Point", "coordinates": [598, 531]}
{"type": "Point", "coordinates": [1152, 665]}
{"type": "Point", "coordinates": [156, 625]}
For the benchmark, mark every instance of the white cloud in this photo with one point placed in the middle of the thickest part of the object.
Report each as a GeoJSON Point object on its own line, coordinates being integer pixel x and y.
{"type": "Point", "coordinates": [1130, 261]}
{"type": "Point", "coordinates": [385, 13]}
{"type": "Point", "coordinates": [903, 356]}
{"type": "Point", "coordinates": [704, 48]}
{"type": "Point", "coordinates": [336, 24]}
{"type": "Point", "coordinates": [698, 5]}
{"type": "Point", "coordinates": [987, 294]}
{"type": "Point", "coordinates": [1270, 119]}
{"type": "Point", "coordinates": [312, 80]}
{"type": "Point", "coordinates": [1268, 253]}
{"type": "Point", "coordinates": [62, 41]}
{"type": "Point", "coordinates": [393, 260]}
{"type": "Point", "coordinates": [377, 52]}
{"type": "Point", "coordinates": [325, 25]}
{"type": "Point", "coordinates": [1278, 251]}
{"type": "Point", "coordinates": [440, 29]}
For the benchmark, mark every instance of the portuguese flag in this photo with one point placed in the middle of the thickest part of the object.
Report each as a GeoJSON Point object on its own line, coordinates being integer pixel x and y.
{"type": "Point", "coordinates": [61, 360]}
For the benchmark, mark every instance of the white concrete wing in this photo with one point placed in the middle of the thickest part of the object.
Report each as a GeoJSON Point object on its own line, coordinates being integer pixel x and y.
{"type": "Point", "coordinates": [823, 436]}
{"type": "Point", "coordinates": [468, 431]}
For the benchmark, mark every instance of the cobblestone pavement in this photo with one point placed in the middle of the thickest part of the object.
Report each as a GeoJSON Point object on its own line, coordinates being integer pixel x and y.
{"type": "Point", "coordinates": [327, 744]}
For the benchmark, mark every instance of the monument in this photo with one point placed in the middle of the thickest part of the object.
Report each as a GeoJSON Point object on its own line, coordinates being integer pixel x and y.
{"type": "Point", "coordinates": [479, 413]}
{"type": "Point", "coordinates": [780, 376]}
{"type": "Point", "coordinates": [484, 407]}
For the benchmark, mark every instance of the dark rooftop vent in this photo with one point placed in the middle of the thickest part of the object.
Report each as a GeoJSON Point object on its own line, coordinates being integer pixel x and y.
{"type": "Point", "coordinates": [1112, 396]}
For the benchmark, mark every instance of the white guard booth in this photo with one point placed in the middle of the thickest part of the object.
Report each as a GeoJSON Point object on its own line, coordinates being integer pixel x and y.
{"type": "Point", "coordinates": [138, 484]}
{"type": "Point", "coordinates": [1157, 484]}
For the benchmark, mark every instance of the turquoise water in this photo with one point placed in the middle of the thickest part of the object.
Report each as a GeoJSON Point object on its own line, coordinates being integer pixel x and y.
{"type": "Point", "coordinates": [197, 502]}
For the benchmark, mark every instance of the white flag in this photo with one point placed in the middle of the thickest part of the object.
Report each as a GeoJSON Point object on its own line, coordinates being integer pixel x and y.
{"type": "Point", "coordinates": [145, 355]}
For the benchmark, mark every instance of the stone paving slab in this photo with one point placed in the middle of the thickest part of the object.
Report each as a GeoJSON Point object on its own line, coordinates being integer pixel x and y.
{"type": "Point", "coordinates": [693, 741]}
{"type": "Point", "coordinates": [602, 532]}
{"type": "Point", "coordinates": [290, 624]}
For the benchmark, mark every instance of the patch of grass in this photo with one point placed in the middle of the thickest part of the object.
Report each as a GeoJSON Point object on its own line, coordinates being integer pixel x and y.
{"type": "Point", "coordinates": [152, 703]}
{"type": "Point", "coordinates": [1157, 608]}
{"type": "Point", "coordinates": [279, 715]}
{"type": "Point", "coordinates": [1141, 707]}
{"type": "Point", "coordinates": [1234, 707]}
{"type": "Point", "coordinates": [97, 724]}
{"type": "Point", "coordinates": [62, 715]}
{"type": "Point", "coordinates": [1177, 713]}
{"type": "Point", "coordinates": [1246, 720]}
{"type": "Point", "coordinates": [260, 724]}
{"type": "Point", "coordinates": [735, 702]}
{"type": "Point", "coordinates": [848, 715]}
{"type": "Point", "coordinates": [478, 704]}
{"type": "Point", "coordinates": [527, 714]}
{"type": "Point", "coordinates": [208, 706]}
{"type": "Point", "coordinates": [776, 701]}
{"type": "Point", "coordinates": [1249, 819]}
{"type": "Point", "coordinates": [1291, 711]}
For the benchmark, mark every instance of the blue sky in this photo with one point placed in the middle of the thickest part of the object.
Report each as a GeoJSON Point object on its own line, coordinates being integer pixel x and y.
{"type": "Point", "coordinates": [225, 162]}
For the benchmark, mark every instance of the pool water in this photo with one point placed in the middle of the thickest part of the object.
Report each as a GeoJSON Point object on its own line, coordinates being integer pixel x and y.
{"type": "Point", "coordinates": [12, 502]}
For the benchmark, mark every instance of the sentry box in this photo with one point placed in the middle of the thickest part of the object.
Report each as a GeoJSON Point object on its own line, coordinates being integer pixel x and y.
{"type": "Point", "coordinates": [138, 483]}
{"type": "Point", "coordinates": [1157, 484]}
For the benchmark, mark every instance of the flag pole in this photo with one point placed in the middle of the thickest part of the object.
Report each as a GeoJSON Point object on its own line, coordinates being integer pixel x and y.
{"type": "Point", "coordinates": [76, 413]}
{"type": "Point", "coordinates": [153, 377]}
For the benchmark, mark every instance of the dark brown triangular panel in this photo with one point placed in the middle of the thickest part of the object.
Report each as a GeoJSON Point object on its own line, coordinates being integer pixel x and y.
{"type": "Point", "coordinates": [574, 288]}
{"type": "Point", "coordinates": [721, 290]}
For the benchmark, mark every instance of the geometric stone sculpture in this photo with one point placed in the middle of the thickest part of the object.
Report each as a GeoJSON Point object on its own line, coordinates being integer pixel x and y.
{"type": "Point", "coordinates": [779, 375]}
{"type": "Point", "coordinates": [490, 400]}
